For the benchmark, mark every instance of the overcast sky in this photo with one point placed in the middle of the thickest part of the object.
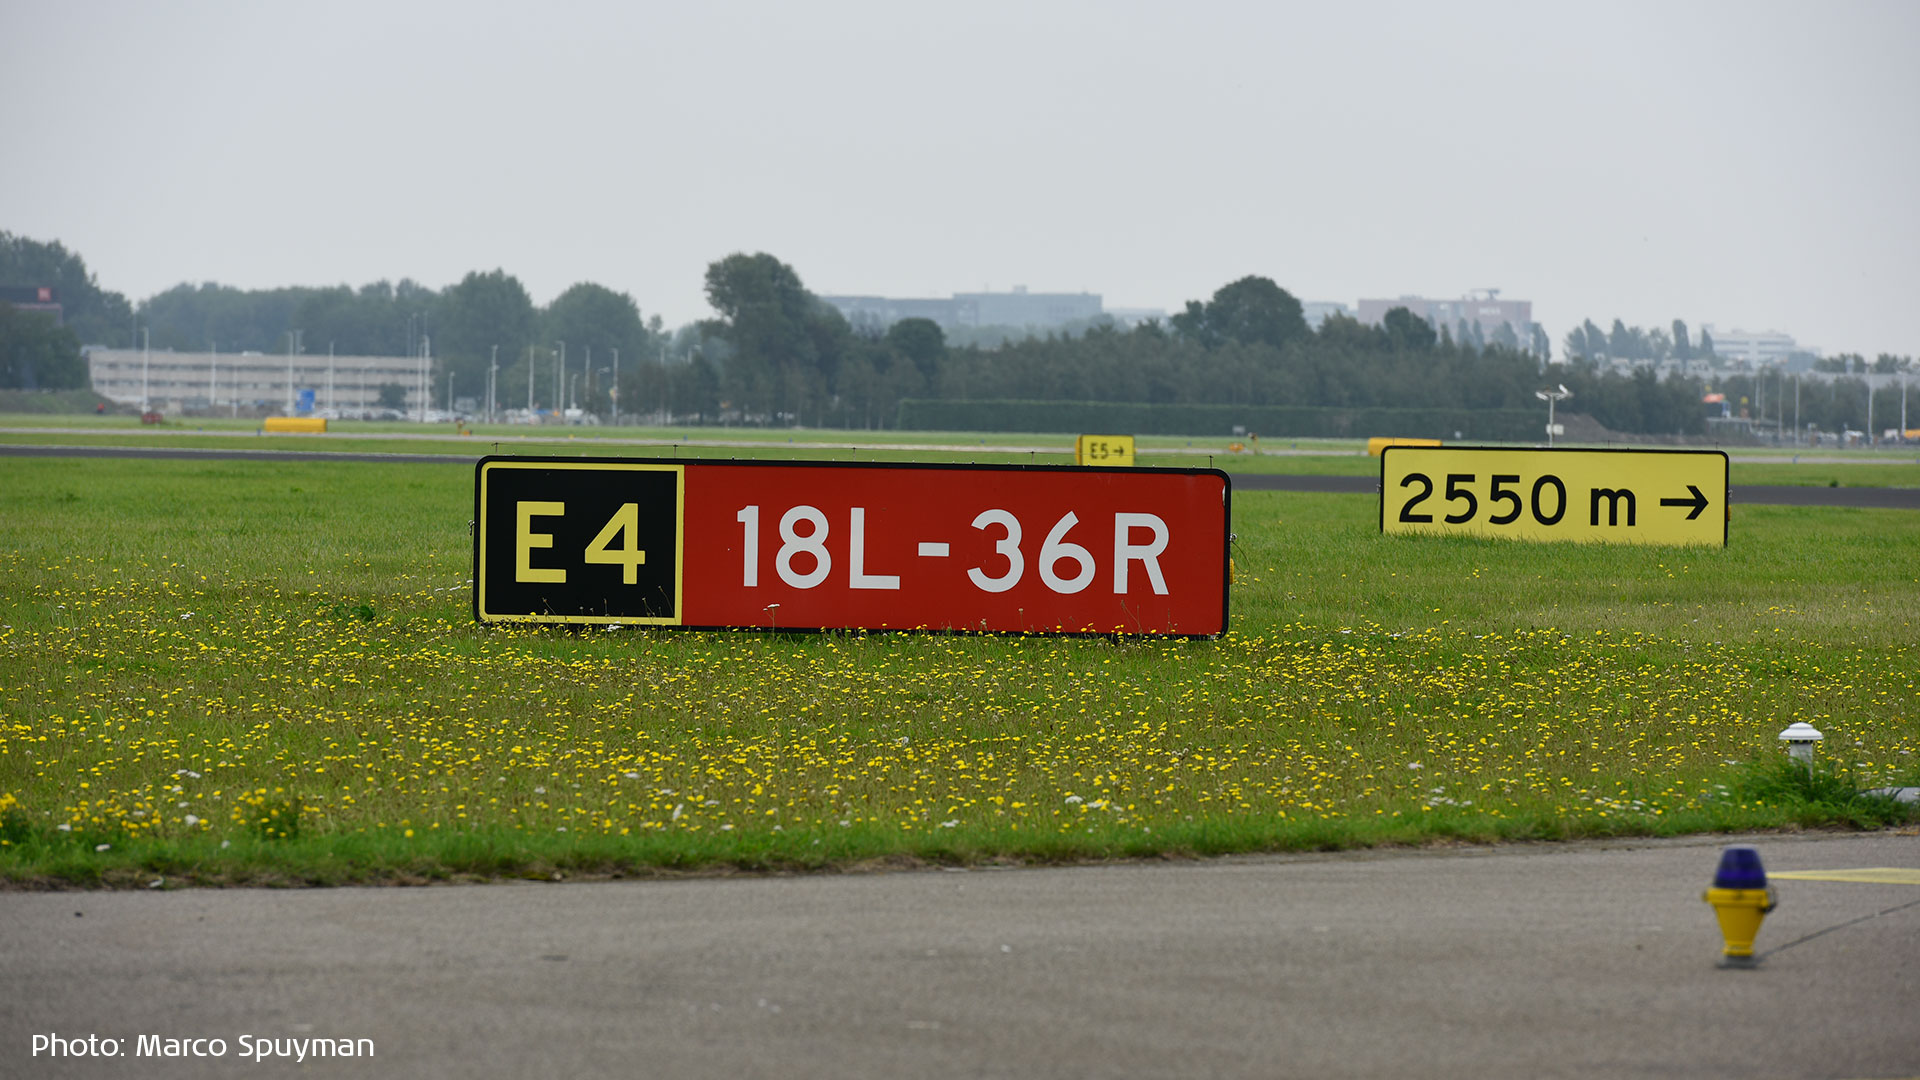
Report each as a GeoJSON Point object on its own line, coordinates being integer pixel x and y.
{"type": "Point", "coordinates": [1743, 164]}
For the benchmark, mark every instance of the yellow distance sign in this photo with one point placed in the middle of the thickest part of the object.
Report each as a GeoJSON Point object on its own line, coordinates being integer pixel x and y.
{"type": "Point", "coordinates": [1597, 496]}
{"type": "Point", "coordinates": [1103, 450]}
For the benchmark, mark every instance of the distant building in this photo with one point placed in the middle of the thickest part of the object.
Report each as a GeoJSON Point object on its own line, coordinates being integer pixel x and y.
{"type": "Point", "coordinates": [41, 298]}
{"type": "Point", "coordinates": [1019, 309]}
{"type": "Point", "coordinates": [1022, 308]}
{"type": "Point", "coordinates": [1756, 349]}
{"type": "Point", "coordinates": [880, 312]}
{"type": "Point", "coordinates": [1482, 307]}
{"type": "Point", "coordinates": [1317, 312]}
{"type": "Point", "coordinates": [175, 382]}
{"type": "Point", "coordinates": [1136, 316]}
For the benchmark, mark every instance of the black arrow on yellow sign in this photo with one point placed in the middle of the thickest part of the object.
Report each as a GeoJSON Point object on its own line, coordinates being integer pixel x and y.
{"type": "Point", "coordinates": [1698, 502]}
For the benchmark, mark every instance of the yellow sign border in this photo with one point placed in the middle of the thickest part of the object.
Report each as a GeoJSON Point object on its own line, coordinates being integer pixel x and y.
{"type": "Point", "coordinates": [679, 545]}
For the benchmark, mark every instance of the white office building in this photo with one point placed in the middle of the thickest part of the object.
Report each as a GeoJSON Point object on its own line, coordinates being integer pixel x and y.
{"type": "Point", "coordinates": [1317, 312]}
{"type": "Point", "coordinates": [1753, 348]}
{"type": "Point", "coordinates": [175, 382]}
{"type": "Point", "coordinates": [1017, 309]}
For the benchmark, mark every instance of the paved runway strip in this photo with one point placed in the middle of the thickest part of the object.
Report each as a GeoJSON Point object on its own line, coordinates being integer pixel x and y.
{"type": "Point", "coordinates": [1584, 959]}
{"type": "Point", "coordinates": [1754, 495]}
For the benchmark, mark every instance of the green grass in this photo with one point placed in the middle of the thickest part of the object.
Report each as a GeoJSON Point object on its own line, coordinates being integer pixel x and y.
{"type": "Point", "coordinates": [1313, 457]}
{"type": "Point", "coordinates": [298, 635]}
{"type": "Point", "coordinates": [1826, 473]}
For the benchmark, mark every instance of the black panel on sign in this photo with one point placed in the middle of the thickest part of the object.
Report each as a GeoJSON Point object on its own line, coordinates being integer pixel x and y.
{"type": "Point", "coordinates": [564, 541]}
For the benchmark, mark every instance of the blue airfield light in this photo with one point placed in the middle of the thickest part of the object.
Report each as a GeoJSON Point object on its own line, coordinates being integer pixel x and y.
{"type": "Point", "coordinates": [1740, 869]}
{"type": "Point", "coordinates": [1740, 900]}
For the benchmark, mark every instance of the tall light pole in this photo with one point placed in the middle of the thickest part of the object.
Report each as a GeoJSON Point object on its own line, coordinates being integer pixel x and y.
{"type": "Point", "coordinates": [426, 388]}
{"type": "Point", "coordinates": [560, 380]}
{"type": "Point", "coordinates": [1551, 397]}
{"type": "Point", "coordinates": [146, 359]}
{"type": "Point", "coordinates": [613, 394]}
{"type": "Point", "coordinates": [529, 384]}
{"type": "Point", "coordinates": [293, 346]}
{"type": "Point", "coordinates": [493, 377]}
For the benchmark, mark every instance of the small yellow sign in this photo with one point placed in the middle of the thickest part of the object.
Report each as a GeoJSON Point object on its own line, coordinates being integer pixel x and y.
{"type": "Point", "coordinates": [1597, 496]}
{"type": "Point", "coordinates": [305, 425]}
{"type": "Point", "coordinates": [1103, 450]}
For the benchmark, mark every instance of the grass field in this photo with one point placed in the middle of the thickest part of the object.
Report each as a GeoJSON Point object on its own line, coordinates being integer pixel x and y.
{"type": "Point", "coordinates": [1885, 467]}
{"type": "Point", "coordinates": [267, 672]}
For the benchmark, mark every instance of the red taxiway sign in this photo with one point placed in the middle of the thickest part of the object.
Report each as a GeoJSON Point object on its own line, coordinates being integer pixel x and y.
{"type": "Point", "coordinates": [818, 546]}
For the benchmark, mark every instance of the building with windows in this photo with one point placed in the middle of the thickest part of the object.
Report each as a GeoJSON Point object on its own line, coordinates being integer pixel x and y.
{"type": "Point", "coordinates": [343, 386]}
{"type": "Point", "coordinates": [1023, 308]}
{"type": "Point", "coordinates": [1481, 307]}
{"type": "Point", "coordinates": [880, 312]}
{"type": "Point", "coordinates": [1755, 349]}
{"type": "Point", "coordinates": [1019, 309]}
{"type": "Point", "coordinates": [1317, 312]}
{"type": "Point", "coordinates": [1136, 316]}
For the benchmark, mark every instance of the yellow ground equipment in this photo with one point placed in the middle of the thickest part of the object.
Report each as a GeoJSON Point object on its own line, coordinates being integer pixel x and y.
{"type": "Point", "coordinates": [297, 425]}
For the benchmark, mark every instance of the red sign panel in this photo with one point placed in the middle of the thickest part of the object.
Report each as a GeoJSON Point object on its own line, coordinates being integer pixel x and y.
{"type": "Point", "coordinates": [843, 546]}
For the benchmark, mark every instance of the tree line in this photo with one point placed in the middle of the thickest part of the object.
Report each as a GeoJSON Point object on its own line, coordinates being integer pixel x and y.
{"type": "Point", "coordinates": [782, 356]}
{"type": "Point", "coordinates": [1629, 343]}
{"type": "Point", "coordinates": [775, 354]}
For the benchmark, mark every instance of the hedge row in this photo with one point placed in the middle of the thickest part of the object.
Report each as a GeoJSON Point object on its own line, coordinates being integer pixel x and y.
{"type": "Point", "coordinates": [1272, 421]}
{"type": "Point", "coordinates": [52, 401]}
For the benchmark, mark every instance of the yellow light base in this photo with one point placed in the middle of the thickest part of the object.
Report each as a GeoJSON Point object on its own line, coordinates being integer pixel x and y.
{"type": "Point", "coordinates": [1740, 912]}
